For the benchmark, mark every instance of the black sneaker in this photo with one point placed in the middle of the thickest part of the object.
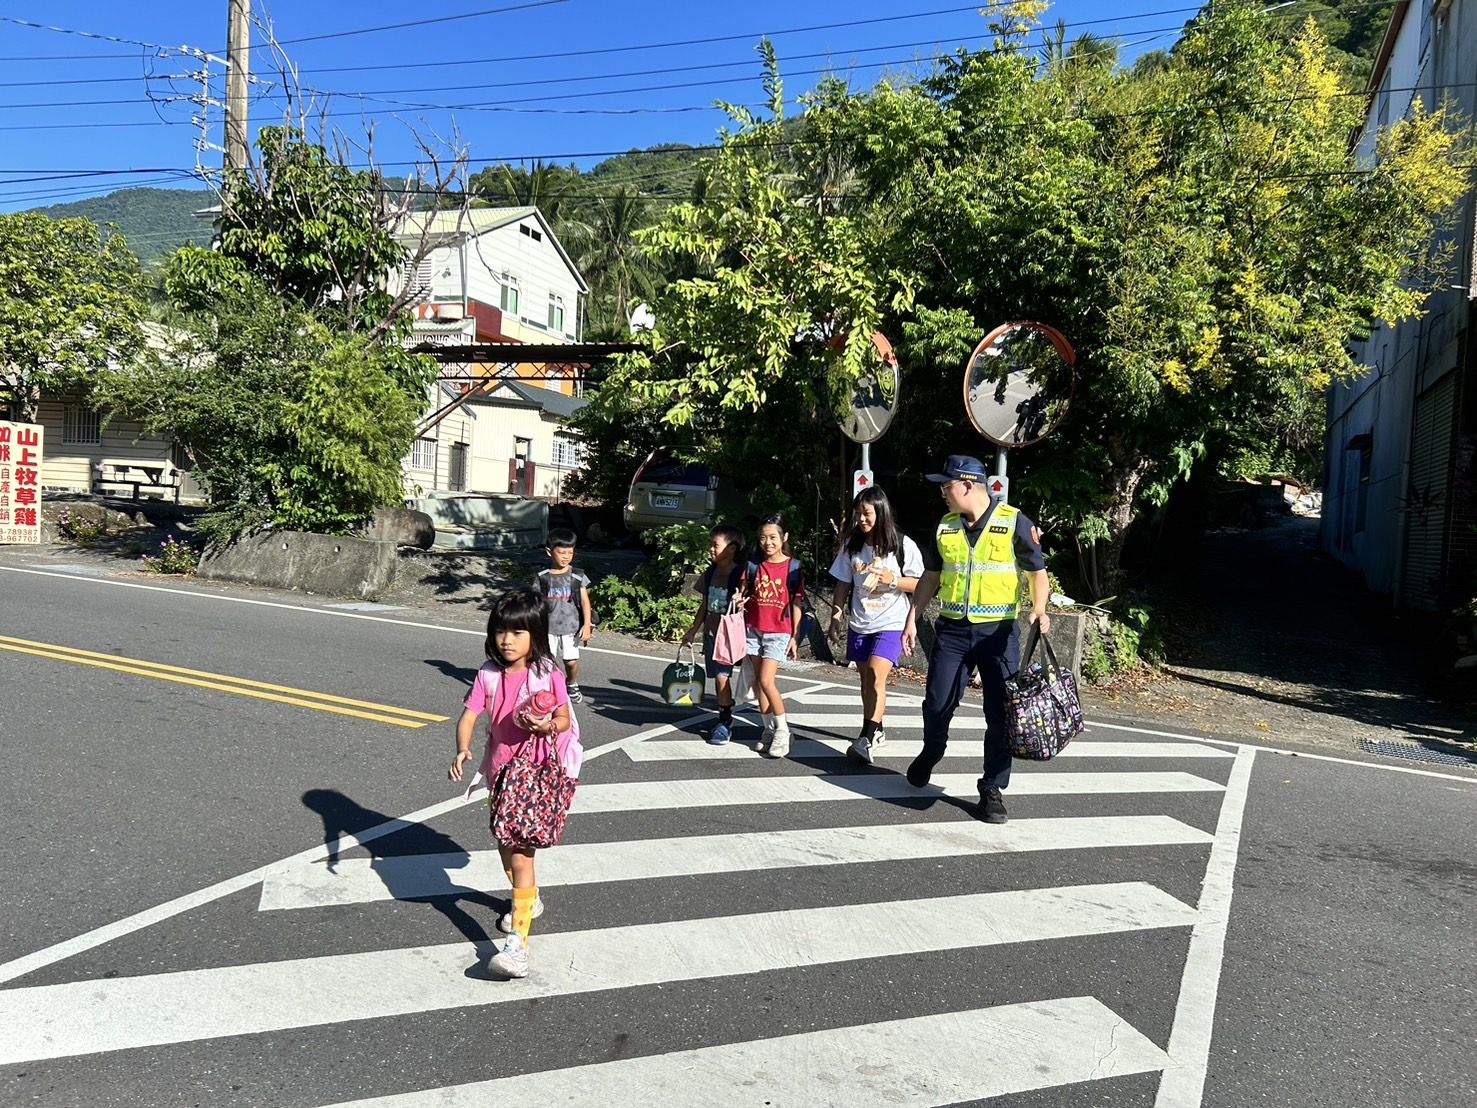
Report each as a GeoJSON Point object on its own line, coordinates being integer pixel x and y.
{"type": "Point", "coordinates": [992, 807]}
{"type": "Point", "coordinates": [921, 768]}
{"type": "Point", "coordinates": [576, 696]}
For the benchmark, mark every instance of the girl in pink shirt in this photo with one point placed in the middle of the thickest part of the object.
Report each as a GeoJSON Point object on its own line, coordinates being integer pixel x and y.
{"type": "Point", "coordinates": [522, 690]}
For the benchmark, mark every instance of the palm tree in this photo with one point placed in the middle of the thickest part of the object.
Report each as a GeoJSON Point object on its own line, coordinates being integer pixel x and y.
{"type": "Point", "coordinates": [613, 261]}
{"type": "Point", "coordinates": [548, 187]}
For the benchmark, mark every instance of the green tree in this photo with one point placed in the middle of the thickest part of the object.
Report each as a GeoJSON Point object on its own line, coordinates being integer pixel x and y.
{"type": "Point", "coordinates": [1198, 229]}
{"type": "Point", "coordinates": [320, 233]}
{"type": "Point", "coordinates": [287, 422]}
{"type": "Point", "coordinates": [765, 343]}
{"type": "Point", "coordinates": [71, 303]}
{"type": "Point", "coordinates": [285, 376]}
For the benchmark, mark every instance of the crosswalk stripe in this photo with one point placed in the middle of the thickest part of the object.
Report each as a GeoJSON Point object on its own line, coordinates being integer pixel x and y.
{"type": "Point", "coordinates": [95, 1016]}
{"type": "Point", "coordinates": [361, 880]}
{"type": "Point", "coordinates": [850, 700]}
{"type": "Point", "coordinates": [640, 796]}
{"type": "Point", "coordinates": [695, 750]}
{"type": "Point", "coordinates": [964, 720]}
{"type": "Point", "coordinates": [922, 1062]}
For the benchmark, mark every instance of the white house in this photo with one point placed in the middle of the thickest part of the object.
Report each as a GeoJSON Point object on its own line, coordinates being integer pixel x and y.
{"type": "Point", "coordinates": [499, 275]}
{"type": "Point", "coordinates": [1400, 492]}
{"type": "Point", "coordinates": [495, 275]}
{"type": "Point", "coordinates": [512, 438]}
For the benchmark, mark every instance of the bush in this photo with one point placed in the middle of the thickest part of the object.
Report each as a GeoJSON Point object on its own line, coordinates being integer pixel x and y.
{"type": "Point", "coordinates": [1120, 643]}
{"type": "Point", "coordinates": [1096, 665]}
{"type": "Point", "coordinates": [81, 528]}
{"type": "Point", "coordinates": [650, 602]}
{"type": "Point", "coordinates": [677, 551]}
{"type": "Point", "coordinates": [175, 556]}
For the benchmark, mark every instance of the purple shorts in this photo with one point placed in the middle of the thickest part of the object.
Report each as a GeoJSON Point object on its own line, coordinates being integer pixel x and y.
{"type": "Point", "coordinates": [878, 644]}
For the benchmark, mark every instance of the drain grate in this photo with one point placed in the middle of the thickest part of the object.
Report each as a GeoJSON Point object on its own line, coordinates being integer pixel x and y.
{"type": "Point", "coordinates": [1414, 752]}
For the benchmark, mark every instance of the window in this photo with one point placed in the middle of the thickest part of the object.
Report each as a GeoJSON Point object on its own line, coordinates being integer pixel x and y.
{"type": "Point", "coordinates": [420, 280]}
{"type": "Point", "coordinates": [509, 302]}
{"type": "Point", "coordinates": [556, 312]}
{"type": "Point", "coordinates": [537, 236]}
{"type": "Point", "coordinates": [423, 454]}
{"type": "Point", "coordinates": [1358, 474]}
{"type": "Point", "coordinates": [81, 426]}
{"type": "Point", "coordinates": [567, 453]}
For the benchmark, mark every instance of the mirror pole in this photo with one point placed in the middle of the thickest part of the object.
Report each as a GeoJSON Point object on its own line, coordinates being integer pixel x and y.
{"type": "Point", "coordinates": [1000, 470]}
{"type": "Point", "coordinates": [866, 455]}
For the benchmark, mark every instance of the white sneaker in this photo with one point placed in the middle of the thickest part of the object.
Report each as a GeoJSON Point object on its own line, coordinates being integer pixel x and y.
{"type": "Point", "coordinates": [779, 744]}
{"type": "Point", "coordinates": [505, 921]}
{"type": "Point", "coordinates": [511, 959]}
{"type": "Point", "coordinates": [861, 749]}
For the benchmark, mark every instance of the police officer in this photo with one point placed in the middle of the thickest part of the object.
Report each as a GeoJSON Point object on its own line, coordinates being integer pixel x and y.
{"type": "Point", "coordinates": [981, 547]}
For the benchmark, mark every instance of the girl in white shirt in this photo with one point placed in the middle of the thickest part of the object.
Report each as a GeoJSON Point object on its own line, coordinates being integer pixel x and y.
{"type": "Point", "coordinates": [878, 567]}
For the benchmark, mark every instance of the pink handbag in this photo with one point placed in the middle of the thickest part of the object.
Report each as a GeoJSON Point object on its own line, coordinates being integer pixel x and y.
{"type": "Point", "coordinates": [731, 640]}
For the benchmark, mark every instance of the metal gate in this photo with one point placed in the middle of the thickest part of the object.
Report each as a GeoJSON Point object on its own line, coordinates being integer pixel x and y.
{"type": "Point", "coordinates": [1428, 499]}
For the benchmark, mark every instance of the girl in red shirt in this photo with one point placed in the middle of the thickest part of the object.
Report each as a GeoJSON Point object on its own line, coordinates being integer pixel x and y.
{"type": "Point", "coordinates": [772, 615]}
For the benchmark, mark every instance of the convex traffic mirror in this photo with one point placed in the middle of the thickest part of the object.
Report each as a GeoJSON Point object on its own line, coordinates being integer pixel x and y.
{"type": "Point", "coordinates": [1018, 383]}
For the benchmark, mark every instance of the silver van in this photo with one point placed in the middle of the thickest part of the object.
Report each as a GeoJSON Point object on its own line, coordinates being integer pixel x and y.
{"type": "Point", "coordinates": [667, 490]}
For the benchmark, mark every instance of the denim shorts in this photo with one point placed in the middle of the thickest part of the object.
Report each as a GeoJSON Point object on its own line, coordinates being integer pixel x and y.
{"type": "Point", "coordinates": [773, 647]}
{"type": "Point", "coordinates": [715, 669]}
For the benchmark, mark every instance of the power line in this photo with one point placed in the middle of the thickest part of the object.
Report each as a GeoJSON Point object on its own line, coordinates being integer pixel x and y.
{"type": "Point", "coordinates": [615, 49]}
{"type": "Point", "coordinates": [82, 34]}
{"type": "Point", "coordinates": [403, 26]}
{"type": "Point", "coordinates": [509, 105]}
{"type": "Point", "coordinates": [747, 61]}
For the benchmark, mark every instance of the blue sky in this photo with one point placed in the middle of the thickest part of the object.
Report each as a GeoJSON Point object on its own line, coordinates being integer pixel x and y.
{"type": "Point", "coordinates": [72, 106]}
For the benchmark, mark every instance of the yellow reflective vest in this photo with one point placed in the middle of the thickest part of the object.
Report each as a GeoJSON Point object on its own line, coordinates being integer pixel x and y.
{"type": "Point", "coordinates": [981, 585]}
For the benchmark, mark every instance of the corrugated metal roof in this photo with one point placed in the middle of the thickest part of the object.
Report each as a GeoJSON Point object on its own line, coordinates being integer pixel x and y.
{"type": "Point", "coordinates": [474, 221]}
{"type": "Point", "coordinates": [551, 401]}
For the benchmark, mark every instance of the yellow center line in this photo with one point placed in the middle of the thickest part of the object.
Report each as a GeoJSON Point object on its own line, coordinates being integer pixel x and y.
{"type": "Point", "coordinates": [103, 661]}
{"type": "Point", "coordinates": [72, 653]}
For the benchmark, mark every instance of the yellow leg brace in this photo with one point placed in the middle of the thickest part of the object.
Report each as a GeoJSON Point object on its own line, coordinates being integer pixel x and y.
{"type": "Point", "coordinates": [523, 901]}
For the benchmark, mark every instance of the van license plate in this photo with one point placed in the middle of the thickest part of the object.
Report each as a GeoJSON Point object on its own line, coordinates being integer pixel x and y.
{"type": "Point", "coordinates": [666, 501]}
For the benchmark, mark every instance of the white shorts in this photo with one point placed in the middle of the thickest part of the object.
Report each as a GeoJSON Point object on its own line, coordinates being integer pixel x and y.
{"type": "Point", "coordinates": [565, 648]}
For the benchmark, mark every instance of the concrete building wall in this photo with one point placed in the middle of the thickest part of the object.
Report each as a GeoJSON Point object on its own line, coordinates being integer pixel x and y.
{"type": "Point", "coordinates": [1395, 506]}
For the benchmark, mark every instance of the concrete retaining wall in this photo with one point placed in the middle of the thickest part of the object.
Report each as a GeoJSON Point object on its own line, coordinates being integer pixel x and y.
{"type": "Point", "coordinates": [487, 519]}
{"type": "Point", "coordinates": [333, 565]}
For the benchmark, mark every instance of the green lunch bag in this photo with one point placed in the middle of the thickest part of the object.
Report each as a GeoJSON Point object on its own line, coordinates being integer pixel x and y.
{"type": "Point", "coordinates": [684, 682]}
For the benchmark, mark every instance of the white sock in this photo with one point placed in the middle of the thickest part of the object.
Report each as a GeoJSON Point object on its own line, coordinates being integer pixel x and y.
{"type": "Point", "coordinates": [768, 721]}
{"type": "Point", "coordinates": [781, 725]}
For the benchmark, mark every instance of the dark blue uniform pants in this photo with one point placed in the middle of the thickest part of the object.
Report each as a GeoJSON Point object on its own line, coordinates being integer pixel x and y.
{"type": "Point", "coordinates": [995, 650]}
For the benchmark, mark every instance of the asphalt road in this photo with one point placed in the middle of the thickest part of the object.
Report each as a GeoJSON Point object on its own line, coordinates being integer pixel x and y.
{"type": "Point", "coordinates": [1163, 922]}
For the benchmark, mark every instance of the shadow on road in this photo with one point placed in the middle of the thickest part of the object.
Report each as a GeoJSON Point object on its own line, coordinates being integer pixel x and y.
{"type": "Point", "coordinates": [465, 674]}
{"type": "Point", "coordinates": [343, 817]}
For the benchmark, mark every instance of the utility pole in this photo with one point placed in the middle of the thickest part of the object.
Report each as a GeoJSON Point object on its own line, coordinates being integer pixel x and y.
{"type": "Point", "coordinates": [238, 76]}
